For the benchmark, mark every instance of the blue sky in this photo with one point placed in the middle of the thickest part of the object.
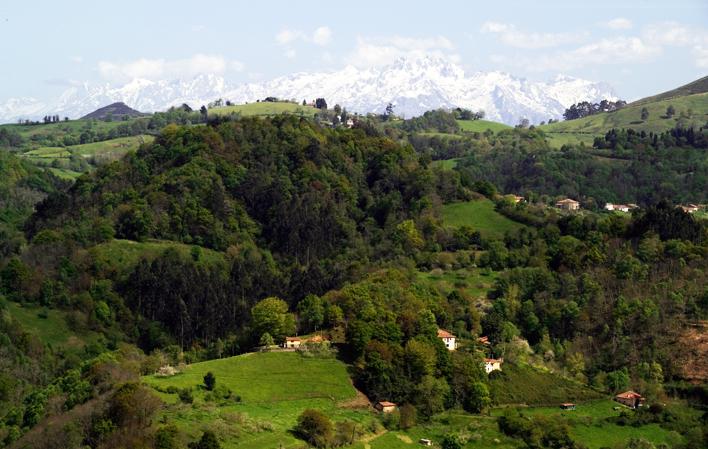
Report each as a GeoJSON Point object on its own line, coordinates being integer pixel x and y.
{"type": "Point", "coordinates": [638, 47]}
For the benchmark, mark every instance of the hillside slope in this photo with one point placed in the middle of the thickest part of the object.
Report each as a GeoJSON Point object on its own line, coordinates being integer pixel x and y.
{"type": "Point", "coordinates": [700, 86]}
{"type": "Point", "coordinates": [691, 111]}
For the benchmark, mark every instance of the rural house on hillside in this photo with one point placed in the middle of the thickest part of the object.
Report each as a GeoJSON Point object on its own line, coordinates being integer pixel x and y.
{"type": "Point", "coordinates": [492, 365]}
{"type": "Point", "coordinates": [449, 339]}
{"type": "Point", "coordinates": [568, 204]}
{"type": "Point", "coordinates": [630, 398]}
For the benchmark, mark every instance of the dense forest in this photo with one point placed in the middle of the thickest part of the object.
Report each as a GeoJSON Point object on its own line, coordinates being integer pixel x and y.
{"type": "Point", "coordinates": [274, 226]}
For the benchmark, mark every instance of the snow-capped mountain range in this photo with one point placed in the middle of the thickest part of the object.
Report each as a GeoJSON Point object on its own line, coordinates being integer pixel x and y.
{"type": "Point", "coordinates": [412, 85]}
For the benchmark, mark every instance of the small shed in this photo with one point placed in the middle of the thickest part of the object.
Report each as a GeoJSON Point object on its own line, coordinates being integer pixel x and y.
{"type": "Point", "coordinates": [385, 406]}
{"type": "Point", "coordinates": [425, 442]}
{"type": "Point", "coordinates": [568, 406]}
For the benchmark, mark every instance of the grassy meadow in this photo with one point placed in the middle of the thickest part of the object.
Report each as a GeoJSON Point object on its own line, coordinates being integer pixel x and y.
{"type": "Point", "coordinates": [121, 255]}
{"type": "Point", "coordinates": [113, 148]}
{"type": "Point", "coordinates": [480, 215]}
{"type": "Point", "coordinates": [274, 388]}
{"type": "Point", "coordinates": [48, 325]}
{"type": "Point", "coordinates": [480, 126]}
{"type": "Point", "coordinates": [264, 108]}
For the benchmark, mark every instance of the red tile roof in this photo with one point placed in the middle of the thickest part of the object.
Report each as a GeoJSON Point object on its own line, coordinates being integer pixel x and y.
{"type": "Point", "coordinates": [629, 395]}
{"type": "Point", "coordinates": [493, 360]}
{"type": "Point", "coordinates": [292, 338]}
{"type": "Point", "coordinates": [442, 333]}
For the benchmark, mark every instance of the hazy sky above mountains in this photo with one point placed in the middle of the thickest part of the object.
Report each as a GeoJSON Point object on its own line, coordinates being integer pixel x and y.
{"type": "Point", "coordinates": [639, 47]}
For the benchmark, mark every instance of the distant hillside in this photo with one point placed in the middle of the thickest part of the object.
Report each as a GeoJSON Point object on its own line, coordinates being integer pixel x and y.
{"type": "Point", "coordinates": [115, 111]}
{"type": "Point", "coordinates": [690, 103]}
{"type": "Point", "coordinates": [700, 86]}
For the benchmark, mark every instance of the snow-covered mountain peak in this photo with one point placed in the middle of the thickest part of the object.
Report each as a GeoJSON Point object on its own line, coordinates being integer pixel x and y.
{"type": "Point", "coordinates": [413, 85]}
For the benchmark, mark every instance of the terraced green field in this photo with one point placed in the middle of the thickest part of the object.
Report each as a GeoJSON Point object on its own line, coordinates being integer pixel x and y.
{"type": "Point", "coordinates": [480, 215]}
{"type": "Point", "coordinates": [265, 108]}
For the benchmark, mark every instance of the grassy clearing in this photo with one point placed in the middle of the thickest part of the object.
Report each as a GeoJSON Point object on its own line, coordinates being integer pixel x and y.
{"type": "Point", "coordinates": [63, 173]}
{"type": "Point", "coordinates": [446, 164]}
{"type": "Point", "coordinates": [265, 108]}
{"type": "Point", "coordinates": [480, 126]}
{"type": "Point", "coordinates": [481, 216]}
{"type": "Point", "coordinates": [589, 425]}
{"type": "Point", "coordinates": [122, 255]}
{"type": "Point", "coordinates": [64, 128]}
{"type": "Point", "coordinates": [114, 148]}
{"type": "Point", "coordinates": [473, 282]}
{"type": "Point", "coordinates": [557, 140]}
{"type": "Point", "coordinates": [49, 325]}
{"type": "Point", "coordinates": [517, 384]}
{"type": "Point", "coordinates": [274, 389]}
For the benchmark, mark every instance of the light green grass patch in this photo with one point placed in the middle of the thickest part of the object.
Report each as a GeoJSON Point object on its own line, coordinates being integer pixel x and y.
{"type": "Point", "coordinates": [122, 255]}
{"type": "Point", "coordinates": [52, 329]}
{"type": "Point", "coordinates": [108, 149]}
{"type": "Point", "coordinates": [446, 164]}
{"type": "Point", "coordinates": [480, 215]}
{"type": "Point", "coordinates": [63, 173]}
{"type": "Point", "coordinates": [265, 108]}
{"type": "Point", "coordinates": [275, 388]}
{"type": "Point", "coordinates": [480, 126]}
{"type": "Point", "coordinates": [557, 140]}
{"type": "Point", "coordinates": [473, 282]}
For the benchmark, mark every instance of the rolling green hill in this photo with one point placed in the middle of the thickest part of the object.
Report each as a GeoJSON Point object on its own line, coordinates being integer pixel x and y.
{"type": "Point", "coordinates": [690, 103]}
{"type": "Point", "coordinates": [696, 87]}
{"type": "Point", "coordinates": [265, 108]}
{"type": "Point", "coordinates": [274, 388]}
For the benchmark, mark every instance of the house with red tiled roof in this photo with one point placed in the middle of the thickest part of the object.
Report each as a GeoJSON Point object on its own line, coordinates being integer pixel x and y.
{"type": "Point", "coordinates": [492, 365]}
{"type": "Point", "coordinates": [449, 339]}
{"type": "Point", "coordinates": [630, 398]}
{"type": "Point", "coordinates": [296, 342]}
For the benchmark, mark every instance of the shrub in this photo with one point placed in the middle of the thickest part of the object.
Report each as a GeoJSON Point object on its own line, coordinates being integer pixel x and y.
{"type": "Point", "coordinates": [185, 395]}
{"type": "Point", "coordinates": [315, 427]}
{"type": "Point", "coordinates": [209, 381]}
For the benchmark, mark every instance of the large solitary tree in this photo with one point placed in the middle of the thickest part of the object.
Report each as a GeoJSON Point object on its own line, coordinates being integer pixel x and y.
{"type": "Point", "coordinates": [271, 315]}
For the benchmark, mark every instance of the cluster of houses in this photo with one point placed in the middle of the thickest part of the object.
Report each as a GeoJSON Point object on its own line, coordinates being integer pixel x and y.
{"type": "Point", "coordinates": [450, 341]}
